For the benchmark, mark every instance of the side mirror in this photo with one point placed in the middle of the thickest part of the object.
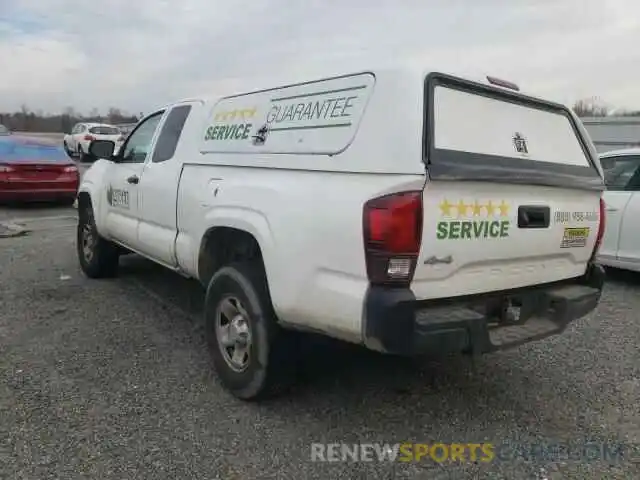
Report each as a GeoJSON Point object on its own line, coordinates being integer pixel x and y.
{"type": "Point", "coordinates": [102, 149]}
{"type": "Point", "coordinates": [607, 163]}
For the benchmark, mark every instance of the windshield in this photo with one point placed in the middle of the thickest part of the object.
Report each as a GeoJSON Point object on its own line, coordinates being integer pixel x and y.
{"type": "Point", "coordinates": [4, 130]}
{"type": "Point", "coordinates": [620, 171]}
{"type": "Point", "coordinates": [104, 130]}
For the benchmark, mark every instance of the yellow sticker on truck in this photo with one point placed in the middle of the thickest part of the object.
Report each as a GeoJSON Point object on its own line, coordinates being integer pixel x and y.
{"type": "Point", "coordinates": [575, 237]}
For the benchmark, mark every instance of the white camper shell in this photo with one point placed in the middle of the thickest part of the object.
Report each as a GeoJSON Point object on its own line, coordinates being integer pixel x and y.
{"type": "Point", "coordinates": [410, 211]}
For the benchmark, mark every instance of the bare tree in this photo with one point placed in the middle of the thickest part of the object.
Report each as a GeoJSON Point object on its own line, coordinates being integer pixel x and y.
{"type": "Point", "coordinates": [591, 107]}
{"type": "Point", "coordinates": [28, 121]}
{"type": "Point", "coordinates": [114, 115]}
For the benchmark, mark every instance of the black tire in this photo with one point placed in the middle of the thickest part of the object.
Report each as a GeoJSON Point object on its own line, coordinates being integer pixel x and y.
{"type": "Point", "coordinates": [271, 360]}
{"type": "Point", "coordinates": [66, 149]}
{"type": "Point", "coordinates": [102, 262]}
{"type": "Point", "coordinates": [82, 157]}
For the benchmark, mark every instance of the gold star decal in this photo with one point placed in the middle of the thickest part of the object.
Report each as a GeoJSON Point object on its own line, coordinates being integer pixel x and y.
{"type": "Point", "coordinates": [445, 207]}
{"type": "Point", "coordinates": [249, 112]}
{"type": "Point", "coordinates": [233, 114]}
{"type": "Point", "coordinates": [490, 208]}
{"type": "Point", "coordinates": [477, 208]}
{"type": "Point", "coordinates": [462, 208]}
{"type": "Point", "coordinates": [504, 209]}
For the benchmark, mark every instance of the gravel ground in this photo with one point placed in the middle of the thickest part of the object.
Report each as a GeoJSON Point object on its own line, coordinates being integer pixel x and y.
{"type": "Point", "coordinates": [111, 380]}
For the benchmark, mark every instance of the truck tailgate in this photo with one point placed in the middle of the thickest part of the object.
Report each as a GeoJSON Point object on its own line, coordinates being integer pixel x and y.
{"type": "Point", "coordinates": [513, 197]}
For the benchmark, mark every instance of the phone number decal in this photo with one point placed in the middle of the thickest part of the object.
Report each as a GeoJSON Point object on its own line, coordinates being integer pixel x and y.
{"type": "Point", "coordinates": [566, 217]}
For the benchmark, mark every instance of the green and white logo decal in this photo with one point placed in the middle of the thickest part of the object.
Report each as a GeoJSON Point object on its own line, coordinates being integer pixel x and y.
{"type": "Point", "coordinates": [117, 198]}
{"type": "Point", "coordinates": [473, 220]}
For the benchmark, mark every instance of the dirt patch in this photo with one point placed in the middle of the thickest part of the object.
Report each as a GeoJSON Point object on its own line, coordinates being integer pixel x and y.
{"type": "Point", "coordinates": [8, 230]}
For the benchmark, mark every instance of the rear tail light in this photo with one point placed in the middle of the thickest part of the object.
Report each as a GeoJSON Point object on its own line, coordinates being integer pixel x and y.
{"type": "Point", "coordinates": [70, 169]}
{"type": "Point", "coordinates": [5, 170]}
{"type": "Point", "coordinates": [392, 228]}
{"type": "Point", "coordinates": [601, 227]}
{"type": "Point", "coordinates": [89, 138]}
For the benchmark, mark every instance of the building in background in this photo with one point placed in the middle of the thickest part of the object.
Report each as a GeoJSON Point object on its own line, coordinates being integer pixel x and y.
{"type": "Point", "coordinates": [613, 133]}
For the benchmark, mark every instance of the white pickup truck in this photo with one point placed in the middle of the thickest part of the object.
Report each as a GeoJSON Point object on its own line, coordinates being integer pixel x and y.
{"type": "Point", "coordinates": [409, 211]}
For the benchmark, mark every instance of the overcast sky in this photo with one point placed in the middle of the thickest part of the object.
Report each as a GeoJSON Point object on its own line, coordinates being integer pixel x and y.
{"type": "Point", "coordinates": [136, 54]}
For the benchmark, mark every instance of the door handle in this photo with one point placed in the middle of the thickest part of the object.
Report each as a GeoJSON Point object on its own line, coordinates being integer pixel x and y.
{"type": "Point", "coordinates": [611, 209]}
{"type": "Point", "coordinates": [533, 216]}
{"type": "Point", "coordinates": [133, 179]}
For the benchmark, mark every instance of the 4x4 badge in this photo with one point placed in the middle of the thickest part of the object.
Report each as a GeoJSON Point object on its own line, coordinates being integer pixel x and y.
{"type": "Point", "coordinates": [433, 260]}
{"type": "Point", "coordinates": [520, 143]}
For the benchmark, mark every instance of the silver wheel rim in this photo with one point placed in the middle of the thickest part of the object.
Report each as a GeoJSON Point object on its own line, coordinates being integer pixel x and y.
{"type": "Point", "coordinates": [88, 240]}
{"type": "Point", "coordinates": [233, 332]}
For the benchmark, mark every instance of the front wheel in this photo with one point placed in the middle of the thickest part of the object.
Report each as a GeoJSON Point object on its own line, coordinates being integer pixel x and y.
{"type": "Point", "coordinates": [68, 150]}
{"type": "Point", "coordinates": [67, 202]}
{"type": "Point", "coordinates": [98, 257]}
{"type": "Point", "coordinates": [251, 354]}
{"type": "Point", "coordinates": [84, 157]}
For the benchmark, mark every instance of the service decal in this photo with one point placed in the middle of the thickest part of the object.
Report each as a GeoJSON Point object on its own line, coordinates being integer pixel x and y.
{"type": "Point", "coordinates": [233, 124]}
{"type": "Point", "coordinates": [462, 220]}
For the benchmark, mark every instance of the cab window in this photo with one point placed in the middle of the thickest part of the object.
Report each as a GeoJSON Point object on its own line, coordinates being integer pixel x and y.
{"type": "Point", "coordinates": [623, 174]}
{"type": "Point", "coordinates": [139, 142]}
{"type": "Point", "coordinates": [170, 134]}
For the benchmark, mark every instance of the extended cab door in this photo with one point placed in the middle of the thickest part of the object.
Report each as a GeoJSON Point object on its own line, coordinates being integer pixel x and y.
{"type": "Point", "coordinates": [122, 181]}
{"type": "Point", "coordinates": [158, 189]}
{"type": "Point", "coordinates": [622, 200]}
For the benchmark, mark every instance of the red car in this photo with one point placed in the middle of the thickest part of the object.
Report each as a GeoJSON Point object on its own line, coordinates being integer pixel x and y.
{"type": "Point", "coordinates": [34, 170]}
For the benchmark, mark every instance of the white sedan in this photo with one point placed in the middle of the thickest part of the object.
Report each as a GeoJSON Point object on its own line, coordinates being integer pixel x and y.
{"type": "Point", "coordinates": [77, 142]}
{"type": "Point", "coordinates": [621, 243]}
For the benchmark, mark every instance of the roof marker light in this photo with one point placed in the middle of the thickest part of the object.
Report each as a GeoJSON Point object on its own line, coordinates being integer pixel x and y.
{"type": "Point", "coordinates": [503, 83]}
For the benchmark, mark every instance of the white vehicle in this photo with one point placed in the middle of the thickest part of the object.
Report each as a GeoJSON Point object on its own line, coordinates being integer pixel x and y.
{"type": "Point", "coordinates": [77, 142]}
{"type": "Point", "coordinates": [408, 211]}
{"type": "Point", "coordinates": [126, 128]}
{"type": "Point", "coordinates": [621, 242]}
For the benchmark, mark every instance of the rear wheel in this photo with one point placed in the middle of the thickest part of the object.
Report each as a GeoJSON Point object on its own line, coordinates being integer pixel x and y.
{"type": "Point", "coordinates": [250, 352]}
{"type": "Point", "coordinates": [98, 257]}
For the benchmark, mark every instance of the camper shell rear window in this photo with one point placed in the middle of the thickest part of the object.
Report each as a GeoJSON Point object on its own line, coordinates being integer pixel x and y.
{"type": "Point", "coordinates": [476, 132]}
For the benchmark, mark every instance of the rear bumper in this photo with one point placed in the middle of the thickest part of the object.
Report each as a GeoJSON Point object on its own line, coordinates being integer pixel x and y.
{"type": "Point", "coordinates": [395, 322]}
{"type": "Point", "coordinates": [38, 192]}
